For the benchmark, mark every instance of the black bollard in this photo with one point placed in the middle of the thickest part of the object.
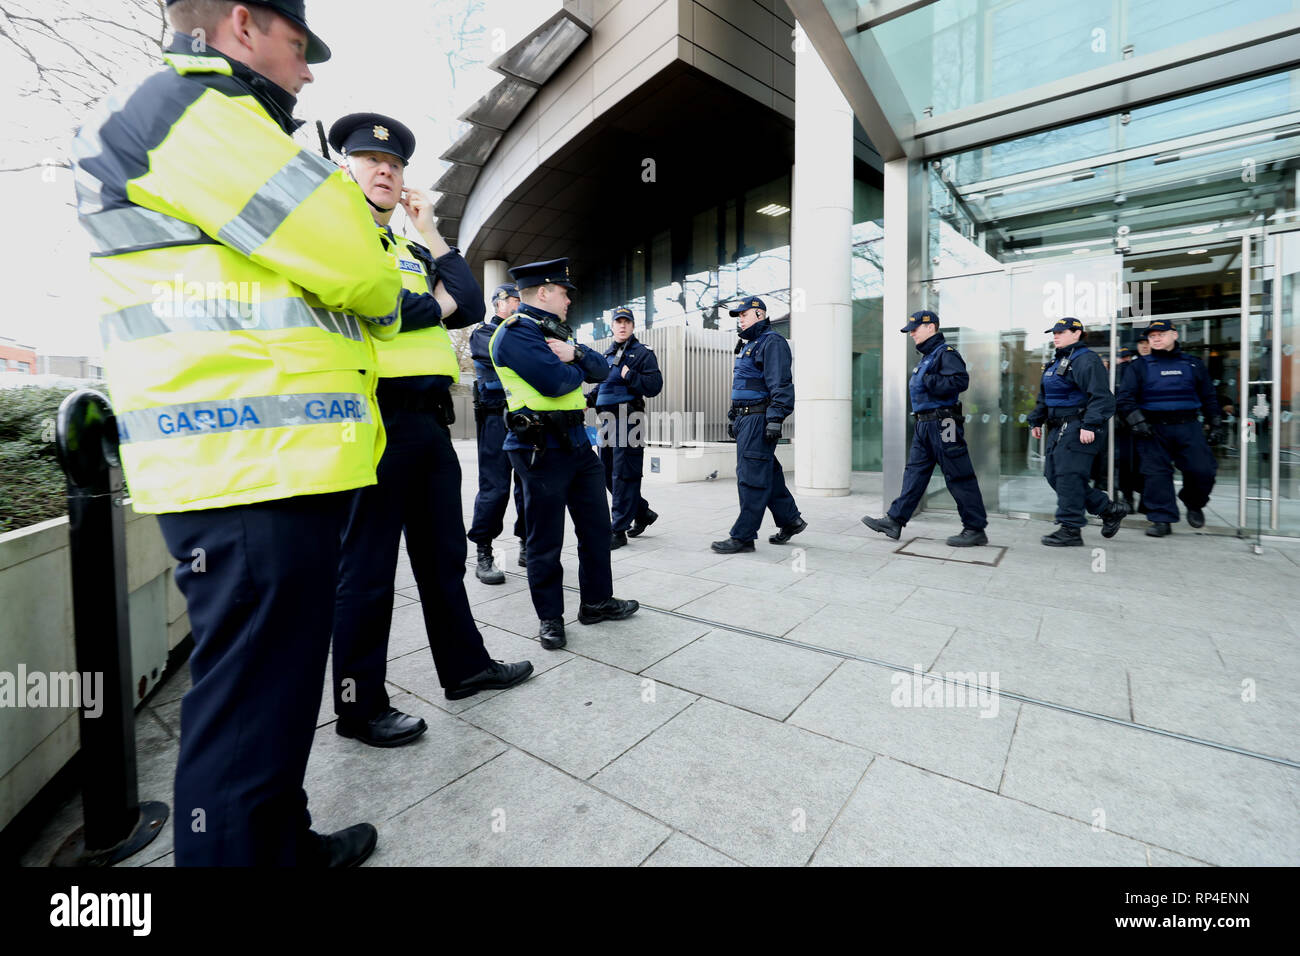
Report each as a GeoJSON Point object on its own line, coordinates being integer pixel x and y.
{"type": "Point", "coordinates": [116, 823]}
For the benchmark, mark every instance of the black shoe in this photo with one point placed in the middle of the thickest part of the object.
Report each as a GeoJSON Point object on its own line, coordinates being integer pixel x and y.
{"type": "Point", "coordinates": [886, 525]}
{"type": "Point", "coordinates": [732, 546]}
{"type": "Point", "coordinates": [552, 633]}
{"type": "Point", "coordinates": [617, 540]}
{"type": "Point", "coordinates": [343, 848]}
{"type": "Point", "coordinates": [486, 571]}
{"type": "Point", "coordinates": [496, 676]}
{"type": "Point", "coordinates": [1112, 517]}
{"type": "Point", "coordinates": [1158, 529]}
{"type": "Point", "coordinates": [1128, 503]}
{"type": "Point", "coordinates": [1196, 517]}
{"type": "Point", "coordinates": [639, 525]}
{"type": "Point", "coordinates": [610, 609]}
{"type": "Point", "coordinates": [969, 538]}
{"type": "Point", "coordinates": [788, 532]}
{"type": "Point", "coordinates": [523, 555]}
{"type": "Point", "coordinates": [1064, 537]}
{"type": "Point", "coordinates": [392, 728]}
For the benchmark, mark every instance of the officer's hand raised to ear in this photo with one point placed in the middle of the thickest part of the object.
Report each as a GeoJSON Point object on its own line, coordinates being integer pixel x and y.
{"type": "Point", "coordinates": [418, 206]}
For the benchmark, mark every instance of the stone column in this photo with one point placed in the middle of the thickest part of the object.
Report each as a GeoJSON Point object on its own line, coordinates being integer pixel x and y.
{"type": "Point", "coordinates": [821, 260]}
{"type": "Point", "coordinates": [494, 274]}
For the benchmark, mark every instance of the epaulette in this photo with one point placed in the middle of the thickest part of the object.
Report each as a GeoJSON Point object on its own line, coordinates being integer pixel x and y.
{"type": "Point", "coordinates": [951, 349]}
{"type": "Point", "coordinates": [510, 320]}
{"type": "Point", "coordinates": [184, 63]}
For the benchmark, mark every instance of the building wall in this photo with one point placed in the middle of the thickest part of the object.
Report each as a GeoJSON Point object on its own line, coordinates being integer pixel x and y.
{"type": "Point", "coordinates": [15, 357]}
{"type": "Point", "coordinates": [69, 366]}
{"type": "Point", "coordinates": [746, 44]}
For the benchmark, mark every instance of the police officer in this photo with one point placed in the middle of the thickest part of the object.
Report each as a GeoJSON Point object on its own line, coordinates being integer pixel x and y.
{"type": "Point", "coordinates": [1143, 345]}
{"type": "Point", "coordinates": [762, 397]}
{"type": "Point", "coordinates": [1075, 402]}
{"type": "Point", "coordinates": [633, 377]}
{"type": "Point", "coordinates": [493, 464]}
{"type": "Point", "coordinates": [543, 371]}
{"type": "Point", "coordinates": [1129, 478]}
{"type": "Point", "coordinates": [940, 437]}
{"type": "Point", "coordinates": [419, 475]}
{"type": "Point", "coordinates": [246, 416]}
{"type": "Point", "coordinates": [1160, 398]}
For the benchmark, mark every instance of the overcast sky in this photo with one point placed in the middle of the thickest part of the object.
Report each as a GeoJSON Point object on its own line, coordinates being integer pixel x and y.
{"type": "Point", "coordinates": [422, 61]}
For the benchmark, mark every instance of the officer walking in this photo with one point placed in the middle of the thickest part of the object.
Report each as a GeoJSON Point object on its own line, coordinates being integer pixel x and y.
{"type": "Point", "coordinates": [633, 377]}
{"type": "Point", "coordinates": [939, 438]}
{"type": "Point", "coordinates": [493, 464]}
{"type": "Point", "coordinates": [1075, 402]}
{"type": "Point", "coordinates": [419, 475]}
{"type": "Point", "coordinates": [246, 414]}
{"type": "Point", "coordinates": [543, 371]}
{"type": "Point", "coordinates": [762, 397]}
{"type": "Point", "coordinates": [1160, 398]}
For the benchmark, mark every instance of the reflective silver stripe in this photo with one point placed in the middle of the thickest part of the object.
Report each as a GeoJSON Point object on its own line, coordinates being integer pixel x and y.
{"type": "Point", "coordinates": [220, 315]}
{"type": "Point", "coordinates": [273, 203]}
{"type": "Point", "coordinates": [241, 414]}
{"type": "Point", "coordinates": [130, 227]}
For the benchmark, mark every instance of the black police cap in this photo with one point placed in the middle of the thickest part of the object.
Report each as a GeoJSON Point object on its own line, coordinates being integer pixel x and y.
{"type": "Point", "coordinates": [751, 302]}
{"type": "Point", "coordinates": [623, 312]}
{"type": "Point", "coordinates": [1158, 325]}
{"type": "Point", "coordinates": [317, 51]}
{"type": "Point", "coordinates": [549, 272]}
{"type": "Point", "coordinates": [504, 291]}
{"type": "Point", "coordinates": [918, 319]}
{"type": "Point", "coordinates": [1066, 325]}
{"type": "Point", "coordinates": [359, 132]}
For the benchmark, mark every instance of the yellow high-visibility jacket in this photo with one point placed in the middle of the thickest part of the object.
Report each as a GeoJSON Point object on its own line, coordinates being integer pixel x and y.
{"type": "Point", "coordinates": [240, 288]}
{"type": "Point", "coordinates": [422, 351]}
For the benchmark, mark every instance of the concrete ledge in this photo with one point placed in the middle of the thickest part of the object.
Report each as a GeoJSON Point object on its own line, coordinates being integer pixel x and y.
{"type": "Point", "coordinates": [696, 461]}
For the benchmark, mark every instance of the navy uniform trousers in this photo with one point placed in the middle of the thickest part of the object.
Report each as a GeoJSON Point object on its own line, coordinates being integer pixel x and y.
{"type": "Point", "coordinates": [1069, 469]}
{"type": "Point", "coordinates": [953, 459]}
{"type": "Point", "coordinates": [258, 594]}
{"type": "Point", "coordinates": [494, 482]}
{"type": "Point", "coordinates": [419, 492]}
{"type": "Point", "coordinates": [760, 482]}
{"type": "Point", "coordinates": [624, 467]}
{"type": "Point", "coordinates": [561, 478]}
{"type": "Point", "coordinates": [1181, 445]}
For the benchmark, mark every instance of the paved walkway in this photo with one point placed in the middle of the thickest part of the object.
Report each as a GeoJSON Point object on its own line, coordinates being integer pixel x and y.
{"type": "Point", "coordinates": [764, 708]}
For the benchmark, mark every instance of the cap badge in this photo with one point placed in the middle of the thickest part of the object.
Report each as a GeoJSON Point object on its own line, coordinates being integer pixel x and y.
{"type": "Point", "coordinates": [381, 133]}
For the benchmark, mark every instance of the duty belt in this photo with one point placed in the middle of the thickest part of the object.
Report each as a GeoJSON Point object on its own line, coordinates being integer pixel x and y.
{"type": "Point", "coordinates": [1178, 416]}
{"type": "Point", "coordinates": [751, 409]}
{"type": "Point", "coordinates": [1062, 414]}
{"type": "Point", "coordinates": [950, 411]}
{"type": "Point", "coordinates": [439, 403]}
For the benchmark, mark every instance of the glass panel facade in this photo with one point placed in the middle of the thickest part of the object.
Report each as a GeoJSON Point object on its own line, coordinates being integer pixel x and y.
{"type": "Point", "coordinates": [958, 53]}
{"type": "Point", "coordinates": [1116, 221]}
{"type": "Point", "coordinates": [868, 325]}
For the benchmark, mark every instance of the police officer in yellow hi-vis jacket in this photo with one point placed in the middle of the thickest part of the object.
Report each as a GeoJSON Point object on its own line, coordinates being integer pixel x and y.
{"type": "Point", "coordinates": [419, 477]}
{"type": "Point", "coordinates": [240, 289]}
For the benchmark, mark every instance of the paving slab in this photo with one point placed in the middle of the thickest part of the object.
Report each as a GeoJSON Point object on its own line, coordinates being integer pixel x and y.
{"type": "Point", "coordinates": [681, 850]}
{"type": "Point", "coordinates": [517, 811]}
{"type": "Point", "coordinates": [634, 643]}
{"type": "Point", "coordinates": [348, 781]}
{"type": "Point", "coordinates": [1207, 804]}
{"type": "Point", "coordinates": [876, 709]}
{"type": "Point", "coordinates": [747, 672]}
{"type": "Point", "coordinates": [851, 590]}
{"type": "Point", "coordinates": [580, 715]}
{"type": "Point", "coordinates": [903, 816]}
{"type": "Point", "coordinates": [1150, 643]}
{"type": "Point", "coordinates": [760, 791]}
{"type": "Point", "coordinates": [1253, 713]}
{"type": "Point", "coordinates": [1091, 682]}
{"type": "Point", "coordinates": [752, 609]}
{"type": "Point", "coordinates": [878, 634]}
{"type": "Point", "coordinates": [997, 616]}
{"type": "Point", "coordinates": [661, 589]}
{"type": "Point", "coordinates": [515, 612]}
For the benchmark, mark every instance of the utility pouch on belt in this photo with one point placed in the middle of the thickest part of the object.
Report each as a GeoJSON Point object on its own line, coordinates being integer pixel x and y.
{"type": "Point", "coordinates": [530, 430]}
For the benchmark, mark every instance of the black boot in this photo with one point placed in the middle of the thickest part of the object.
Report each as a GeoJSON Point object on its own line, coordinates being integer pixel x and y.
{"type": "Point", "coordinates": [640, 524]}
{"type": "Point", "coordinates": [1064, 537]}
{"type": "Point", "coordinates": [1112, 517]}
{"type": "Point", "coordinates": [552, 633]}
{"type": "Point", "coordinates": [610, 609]}
{"type": "Point", "coordinates": [523, 555]}
{"type": "Point", "coordinates": [969, 538]}
{"type": "Point", "coordinates": [1158, 529]}
{"type": "Point", "coordinates": [788, 532]}
{"type": "Point", "coordinates": [617, 540]}
{"type": "Point", "coordinates": [732, 546]}
{"type": "Point", "coordinates": [1196, 517]}
{"type": "Point", "coordinates": [486, 571]}
{"type": "Point", "coordinates": [886, 526]}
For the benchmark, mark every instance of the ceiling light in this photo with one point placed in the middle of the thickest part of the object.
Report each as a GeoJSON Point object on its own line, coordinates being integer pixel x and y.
{"type": "Point", "coordinates": [773, 209]}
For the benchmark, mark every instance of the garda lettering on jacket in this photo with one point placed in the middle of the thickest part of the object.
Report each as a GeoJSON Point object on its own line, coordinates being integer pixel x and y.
{"type": "Point", "coordinates": [1171, 371]}
{"type": "Point", "coordinates": [208, 419]}
{"type": "Point", "coordinates": [409, 265]}
{"type": "Point", "coordinates": [346, 409]}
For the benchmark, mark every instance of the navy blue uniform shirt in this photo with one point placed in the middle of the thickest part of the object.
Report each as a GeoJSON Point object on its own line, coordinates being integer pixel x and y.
{"type": "Point", "coordinates": [1089, 375]}
{"type": "Point", "coordinates": [643, 380]}
{"type": "Point", "coordinates": [1131, 395]}
{"type": "Point", "coordinates": [771, 354]}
